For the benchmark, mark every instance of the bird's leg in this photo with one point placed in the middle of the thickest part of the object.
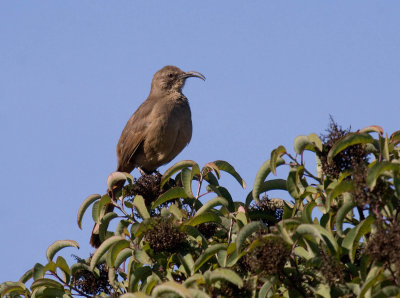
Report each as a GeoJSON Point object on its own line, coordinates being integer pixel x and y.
{"type": "Point", "coordinates": [142, 172]}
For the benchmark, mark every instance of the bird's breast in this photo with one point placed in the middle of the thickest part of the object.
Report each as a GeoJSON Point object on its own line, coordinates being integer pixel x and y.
{"type": "Point", "coordinates": [169, 131]}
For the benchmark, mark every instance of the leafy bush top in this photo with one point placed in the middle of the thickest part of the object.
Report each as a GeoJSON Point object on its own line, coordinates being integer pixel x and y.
{"type": "Point", "coordinates": [167, 243]}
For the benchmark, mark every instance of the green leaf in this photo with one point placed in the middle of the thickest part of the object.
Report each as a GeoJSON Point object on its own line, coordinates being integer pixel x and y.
{"type": "Point", "coordinates": [10, 286]}
{"type": "Point", "coordinates": [246, 231]}
{"type": "Point", "coordinates": [343, 187]}
{"type": "Point", "coordinates": [86, 203]}
{"type": "Point", "coordinates": [198, 293]}
{"type": "Point", "coordinates": [310, 142]}
{"type": "Point", "coordinates": [347, 141]}
{"type": "Point", "coordinates": [104, 247]}
{"type": "Point", "coordinates": [222, 274]}
{"type": "Point", "coordinates": [351, 241]}
{"type": "Point", "coordinates": [187, 179]}
{"type": "Point", "coordinates": [221, 258]}
{"type": "Point", "coordinates": [385, 151]}
{"type": "Point", "coordinates": [232, 255]}
{"type": "Point", "coordinates": [176, 211]}
{"type": "Point", "coordinates": [105, 220]}
{"type": "Point", "coordinates": [195, 233]}
{"type": "Point", "coordinates": [323, 290]}
{"type": "Point", "coordinates": [194, 278]}
{"type": "Point", "coordinates": [307, 212]}
{"type": "Point", "coordinates": [135, 295]}
{"type": "Point", "coordinates": [227, 167]}
{"type": "Point", "coordinates": [211, 179]}
{"type": "Point", "coordinates": [223, 192]}
{"type": "Point", "coordinates": [136, 275]}
{"type": "Point", "coordinates": [101, 208]}
{"type": "Point", "coordinates": [122, 256]}
{"type": "Point", "coordinates": [173, 288]}
{"type": "Point", "coordinates": [212, 203]}
{"type": "Point", "coordinates": [187, 263]}
{"type": "Point", "coordinates": [372, 128]}
{"type": "Point", "coordinates": [347, 206]}
{"type": "Point", "coordinates": [170, 194]}
{"type": "Point", "coordinates": [141, 208]}
{"type": "Point", "coordinates": [115, 178]}
{"type": "Point", "coordinates": [265, 289]}
{"type": "Point", "coordinates": [242, 218]}
{"type": "Point", "coordinates": [274, 184]}
{"type": "Point", "coordinates": [319, 232]}
{"type": "Point", "coordinates": [142, 257]}
{"type": "Point", "coordinates": [275, 154]}
{"type": "Point", "coordinates": [50, 266]}
{"type": "Point", "coordinates": [27, 276]}
{"type": "Point", "coordinates": [45, 291]}
{"type": "Point", "coordinates": [78, 267]}
{"type": "Point", "coordinates": [208, 254]}
{"type": "Point", "coordinates": [202, 218]}
{"type": "Point", "coordinates": [395, 138]}
{"type": "Point", "coordinates": [96, 211]}
{"type": "Point", "coordinates": [38, 271]}
{"type": "Point", "coordinates": [316, 141]}
{"type": "Point", "coordinates": [116, 250]}
{"type": "Point", "coordinates": [213, 166]}
{"type": "Point", "coordinates": [301, 143]}
{"type": "Point", "coordinates": [112, 277]}
{"type": "Point", "coordinates": [372, 278]}
{"type": "Point", "coordinates": [262, 174]}
{"type": "Point", "coordinates": [294, 186]}
{"type": "Point", "coordinates": [388, 291]}
{"type": "Point", "coordinates": [47, 282]}
{"type": "Point", "coordinates": [151, 282]}
{"type": "Point", "coordinates": [62, 264]}
{"type": "Point", "coordinates": [58, 245]}
{"type": "Point", "coordinates": [379, 168]}
{"type": "Point", "coordinates": [175, 168]}
{"type": "Point", "coordinates": [302, 252]}
{"type": "Point", "coordinates": [122, 228]}
{"type": "Point", "coordinates": [396, 182]}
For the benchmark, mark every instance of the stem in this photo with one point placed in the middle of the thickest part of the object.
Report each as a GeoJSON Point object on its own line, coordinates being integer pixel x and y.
{"type": "Point", "coordinates": [70, 287]}
{"type": "Point", "coordinates": [114, 202]}
{"type": "Point", "coordinates": [230, 231]}
{"type": "Point", "coordinates": [206, 193]}
{"type": "Point", "coordinates": [393, 275]}
{"type": "Point", "coordinates": [199, 186]}
{"type": "Point", "coordinates": [295, 283]}
{"type": "Point", "coordinates": [309, 174]}
{"type": "Point", "coordinates": [121, 209]}
{"type": "Point", "coordinates": [198, 193]}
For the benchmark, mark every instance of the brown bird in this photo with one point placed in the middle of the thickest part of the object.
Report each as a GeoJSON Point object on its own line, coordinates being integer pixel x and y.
{"type": "Point", "coordinates": [159, 129]}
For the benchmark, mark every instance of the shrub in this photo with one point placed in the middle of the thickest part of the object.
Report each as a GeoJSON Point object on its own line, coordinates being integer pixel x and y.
{"type": "Point", "coordinates": [168, 243]}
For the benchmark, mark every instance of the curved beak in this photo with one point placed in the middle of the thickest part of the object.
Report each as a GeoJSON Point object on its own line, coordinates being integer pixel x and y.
{"type": "Point", "coordinates": [195, 74]}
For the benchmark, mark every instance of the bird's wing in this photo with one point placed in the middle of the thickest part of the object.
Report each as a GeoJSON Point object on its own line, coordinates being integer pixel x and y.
{"type": "Point", "coordinates": [133, 136]}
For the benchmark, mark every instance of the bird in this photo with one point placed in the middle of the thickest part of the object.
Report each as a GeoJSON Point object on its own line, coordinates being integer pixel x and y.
{"type": "Point", "coordinates": [159, 129]}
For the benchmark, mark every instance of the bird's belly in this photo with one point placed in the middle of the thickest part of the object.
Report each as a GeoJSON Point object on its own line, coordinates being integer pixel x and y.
{"type": "Point", "coordinates": [169, 139]}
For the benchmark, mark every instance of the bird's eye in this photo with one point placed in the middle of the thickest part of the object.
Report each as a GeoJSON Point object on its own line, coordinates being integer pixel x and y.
{"type": "Point", "coordinates": [170, 75]}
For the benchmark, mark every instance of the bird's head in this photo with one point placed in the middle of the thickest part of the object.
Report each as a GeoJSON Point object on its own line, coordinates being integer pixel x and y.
{"type": "Point", "coordinates": [172, 79]}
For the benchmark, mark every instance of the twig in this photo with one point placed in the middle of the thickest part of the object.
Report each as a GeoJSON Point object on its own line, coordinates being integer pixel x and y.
{"type": "Point", "coordinates": [70, 287]}
{"type": "Point", "coordinates": [198, 193]}
{"type": "Point", "coordinates": [309, 174]}
{"type": "Point", "coordinates": [230, 231]}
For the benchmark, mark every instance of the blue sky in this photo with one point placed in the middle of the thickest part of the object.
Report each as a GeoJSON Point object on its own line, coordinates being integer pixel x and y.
{"type": "Point", "coordinates": [73, 72]}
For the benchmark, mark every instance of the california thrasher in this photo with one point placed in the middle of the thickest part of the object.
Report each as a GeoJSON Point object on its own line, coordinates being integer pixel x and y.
{"type": "Point", "coordinates": [159, 129]}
